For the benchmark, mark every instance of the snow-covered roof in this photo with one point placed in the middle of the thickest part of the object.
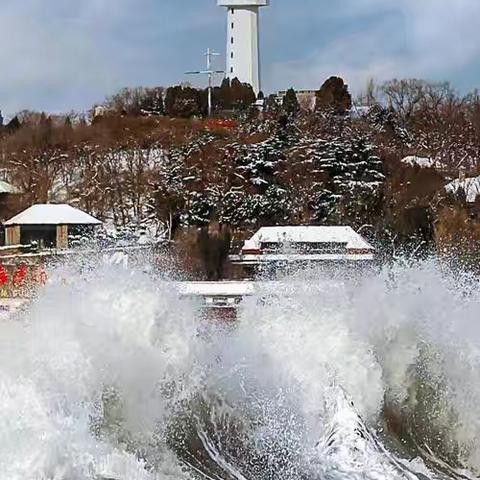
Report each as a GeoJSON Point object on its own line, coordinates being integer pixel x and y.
{"type": "Point", "coordinates": [52, 214]}
{"type": "Point", "coordinates": [5, 187]}
{"type": "Point", "coordinates": [225, 289]}
{"type": "Point", "coordinates": [250, 288]}
{"type": "Point", "coordinates": [243, 3]}
{"type": "Point", "coordinates": [471, 187]}
{"type": "Point", "coordinates": [311, 234]}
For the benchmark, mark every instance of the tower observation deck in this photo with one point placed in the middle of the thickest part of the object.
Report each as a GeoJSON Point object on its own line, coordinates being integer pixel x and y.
{"type": "Point", "coordinates": [243, 46]}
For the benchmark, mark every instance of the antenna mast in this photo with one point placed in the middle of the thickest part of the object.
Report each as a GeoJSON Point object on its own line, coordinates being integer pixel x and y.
{"type": "Point", "coordinates": [210, 73]}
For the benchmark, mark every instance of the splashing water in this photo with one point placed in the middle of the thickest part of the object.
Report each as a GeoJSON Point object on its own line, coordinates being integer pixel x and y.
{"type": "Point", "coordinates": [117, 377]}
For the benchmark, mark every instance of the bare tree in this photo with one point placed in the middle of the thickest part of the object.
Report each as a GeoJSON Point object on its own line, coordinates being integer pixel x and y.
{"type": "Point", "coordinates": [137, 101]}
{"type": "Point", "coordinates": [404, 96]}
{"type": "Point", "coordinates": [368, 97]}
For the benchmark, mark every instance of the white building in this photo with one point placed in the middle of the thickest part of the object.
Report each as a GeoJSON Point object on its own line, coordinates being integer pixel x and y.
{"type": "Point", "coordinates": [307, 99]}
{"type": "Point", "coordinates": [243, 47]}
{"type": "Point", "coordinates": [284, 245]}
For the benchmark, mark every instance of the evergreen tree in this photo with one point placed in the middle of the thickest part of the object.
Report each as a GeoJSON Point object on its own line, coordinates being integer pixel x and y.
{"type": "Point", "coordinates": [199, 208]}
{"type": "Point", "coordinates": [271, 104]}
{"type": "Point", "coordinates": [334, 97]}
{"type": "Point", "coordinates": [168, 197]}
{"type": "Point", "coordinates": [275, 206]}
{"type": "Point", "coordinates": [183, 102]}
{"type": "Point", "coordinates": [257, 163]}
{"type": "Point", "coordinates": [290, 102]}
{"type": "Point", "coordinates": [232, 95]}
{"type": "Point", "coordinates": [348, 180]}
{"type": "Point", "coordinates": [151, 102]}
{"type": "Point", "coordinates": [242, 95]}
{"type": "Point", "coordinates": [170, 98]}
{"type": "Point", "coordinates": [222, 95]}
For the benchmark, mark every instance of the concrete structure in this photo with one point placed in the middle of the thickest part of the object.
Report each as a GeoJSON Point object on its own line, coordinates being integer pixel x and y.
{"type": "Point", "coordinates": [307, 99]}
{"type": "Point", "coordinates": [243, 47]}
{"type": "Point", "coordinates": [274, 246]}
{"type": "Point", "coordinates": [9, 198]}
{"type": "Point", "coordinates": [220, 301]}
{"type": "Point", "coordinates": [49, 225]}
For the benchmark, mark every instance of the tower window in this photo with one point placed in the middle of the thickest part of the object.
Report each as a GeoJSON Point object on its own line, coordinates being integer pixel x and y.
{"type": "Point", "coordinates": [233, 25]}
{"type": "Point", "coordinates": [231, 69]}
{"type": "Point", "coordinates": [232, 11]}
{"type": "Point", "coordinates": [231, 54]}
{"type": "Point", "coordinates": [231, 40]}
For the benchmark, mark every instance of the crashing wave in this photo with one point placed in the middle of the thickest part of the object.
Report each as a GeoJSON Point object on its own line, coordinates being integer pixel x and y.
{"type": "Point", "coordinates": [114, 376]}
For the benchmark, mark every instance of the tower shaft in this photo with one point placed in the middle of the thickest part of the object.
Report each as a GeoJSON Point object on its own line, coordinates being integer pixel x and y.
{"type": "Point", "coordinates": [243, 47]}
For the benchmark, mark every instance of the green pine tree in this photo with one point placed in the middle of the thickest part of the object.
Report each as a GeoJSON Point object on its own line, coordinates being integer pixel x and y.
{"type": "Point", "coordinates": [290, 102]}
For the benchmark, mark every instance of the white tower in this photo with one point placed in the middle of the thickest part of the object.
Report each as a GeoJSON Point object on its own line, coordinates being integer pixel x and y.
{"type": "Point", "coordinates": [243, 49]}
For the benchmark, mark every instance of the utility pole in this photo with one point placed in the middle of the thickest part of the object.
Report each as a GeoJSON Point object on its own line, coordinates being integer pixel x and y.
{"type": "Point", "coordinates": [210, 73]}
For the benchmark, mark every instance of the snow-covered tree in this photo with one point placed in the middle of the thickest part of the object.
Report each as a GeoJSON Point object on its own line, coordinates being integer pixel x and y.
{"type": "Point", "coordinates": [345, 179]}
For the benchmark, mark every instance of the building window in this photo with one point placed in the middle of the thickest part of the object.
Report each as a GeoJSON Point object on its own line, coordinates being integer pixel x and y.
{"type": "Point", "coordinates": [231, 69]}
{"type": "Point", "coordinates": [231, 40]}
{"type": "Point", "coordinates": [232, 11]}
{"type": "Point", "coordinates": [231, 54]}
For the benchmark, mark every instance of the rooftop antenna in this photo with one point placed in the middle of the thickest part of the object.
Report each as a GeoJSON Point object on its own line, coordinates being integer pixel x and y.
{"type": "Point", "coordinates": [210, 73]}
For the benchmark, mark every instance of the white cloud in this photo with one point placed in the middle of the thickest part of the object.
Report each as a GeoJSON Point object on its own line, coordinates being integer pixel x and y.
{"type": "Point", "coordinates": [405, 38]}
{"type": "Point", "coordinates": [50, 50]}
{"type": "Point", "coordinates": [62, 54]}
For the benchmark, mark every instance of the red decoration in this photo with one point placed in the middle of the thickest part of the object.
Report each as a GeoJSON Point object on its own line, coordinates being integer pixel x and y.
{"type": "Point", "coordinates": [220, 124]}
{"type": "Point", "coordinates": [20, 275]}
{"type": "Point", "coordinates": [3, 276]}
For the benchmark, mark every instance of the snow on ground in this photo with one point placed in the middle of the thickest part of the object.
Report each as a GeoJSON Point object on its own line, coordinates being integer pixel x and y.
{"type": "Point", "coordinates": [360, 111]}
{"type": "Point", "coordinates": [422, 162]}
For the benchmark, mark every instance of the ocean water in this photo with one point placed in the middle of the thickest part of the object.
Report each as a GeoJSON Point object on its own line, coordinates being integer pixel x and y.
{"type": "Point", "coordinates": [112, 375]}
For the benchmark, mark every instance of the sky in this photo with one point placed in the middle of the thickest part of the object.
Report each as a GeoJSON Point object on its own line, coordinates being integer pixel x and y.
{"type": "Point", "coordinates": [63, 55]}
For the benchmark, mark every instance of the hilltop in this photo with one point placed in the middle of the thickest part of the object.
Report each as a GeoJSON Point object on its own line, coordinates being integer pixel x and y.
{"type": "Point", "coordinates": [151, 159]}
